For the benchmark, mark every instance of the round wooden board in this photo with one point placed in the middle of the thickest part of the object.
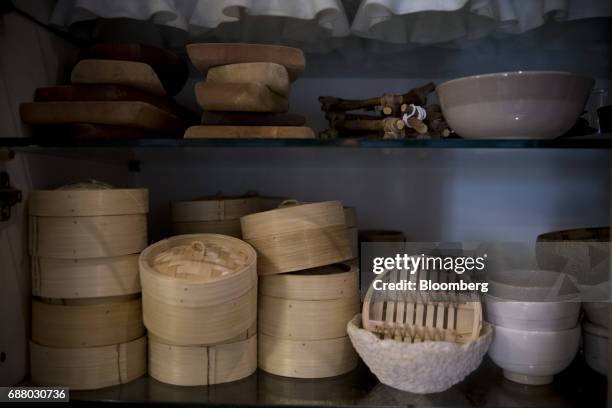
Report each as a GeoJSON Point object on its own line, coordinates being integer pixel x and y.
{"type": "Point", "coordinates": [88, 237]}
{"type": "Point", "coordinates": [85, 278]}
{"type": "Point", "coordinates": [81, 202]}
{"type": "Point", "coordinates": [88, 368]}
{"type": "Point", "coordinates": [207, 55]}
{"type": "Point", "coordinates": [91, 325]}
{"type": "Point", "coordinates": [306, 319]}
{"type": "Point", "coordinates": [323, 283]}
{"type": "Point", "coordinates": [274, 76]}
{"type": "Point", "coordinates": [202, 365]}
{"type": "Point", "coordinates": [306, 359]}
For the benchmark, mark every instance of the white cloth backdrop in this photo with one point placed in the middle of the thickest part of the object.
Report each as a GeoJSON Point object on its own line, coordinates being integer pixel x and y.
{"type": "Point", "coordinates": [442, 21]}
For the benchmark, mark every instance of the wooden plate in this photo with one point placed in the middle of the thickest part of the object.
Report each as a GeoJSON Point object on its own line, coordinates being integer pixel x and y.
{"type": "Point", "coordinates": [274, 76]}
{"type": "Point", "coordinates": [88, 368]}
{"type": "Point", "coordinates": [242, 97]}
{"type": "Point", "coordinates": [306, 359]}
{"type": "Point", "coordinates": [249, 132]}
{"type": "Point", "coordinates": [135, 74]}
{"type": "Point", "coordinates": [207, 55]}
{"type": "Point", "coordinates": [210, 118]}
{"type": "Point", "coordinates": [170, 68]}
{"type": "Point", "coordinates": [131, 114]}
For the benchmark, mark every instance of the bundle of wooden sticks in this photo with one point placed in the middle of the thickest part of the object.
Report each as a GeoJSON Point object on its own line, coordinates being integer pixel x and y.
{"type": "Point", "coordinates": [393, 117]}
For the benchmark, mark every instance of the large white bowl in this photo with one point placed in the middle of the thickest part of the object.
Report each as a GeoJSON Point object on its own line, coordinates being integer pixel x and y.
{"type": "Point", "coordinates": [532, 285]}
{"type": "Point", "coordinates": [533, 357]}
{"type": "Point", "coordinates": [514, 105]}
{"type": "Point", "coordinates": [595, 339]}
{"type": "Point", "coordinates": [532, 316]}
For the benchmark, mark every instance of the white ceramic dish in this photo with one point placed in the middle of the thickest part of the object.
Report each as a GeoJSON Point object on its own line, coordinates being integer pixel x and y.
{"type": "Point", "coordinates": [595, 340]}
{"type": "Point", "coordinates": [532, 285]}
{"type": "Point", "coordinates": [533, 357]}
{"type": "Point", "coordinates": [596, 305]}
{"type": "Point", "coordinates": [514, 105]}
{"type": "Point", "coordinates": [532, 316]}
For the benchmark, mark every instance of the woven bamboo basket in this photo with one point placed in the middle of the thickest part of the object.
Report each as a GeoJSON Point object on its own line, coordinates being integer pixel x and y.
{"type": "Point", "coordinates": [87, 237]}
{"type": "Point", "coordinates": [88, 199]}
{"type": "Point", "coordinates": [415, 316]}
{"type": "Point", "coordinates": [205, 364]}
{"type": "Point", "coordinates": [216, 215]}
{"type": "Point", "coordinates": [323, 283]}
{"type": "Point", "coordinates": [86, 324]}
{"type": "Point", "coordinates": [88, 368]}
{"type": "Point", "coordinates": [298, 236]}
{"type": "Point", "coordinates": [306, 359]}
{"type": "Point", "coordinates": [85, 278]}
{"type": "Point", "coordinates": [306, 319]}
{"type": "Point", "coordinates": [198, 288]}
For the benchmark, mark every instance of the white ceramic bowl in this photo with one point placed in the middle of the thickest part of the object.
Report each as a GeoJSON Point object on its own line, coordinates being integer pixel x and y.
{"type": "Point", "coordinates": [596, 303]}
{"type": "Point", "coordinates": [533, 357]}
{"type": "Point", "coordinates": [532, 316]}
{"type": "Point", "coordinates": [595, 339]}
{"type": "Point", "coordinates": [514, 105]}
{"type": "Point", "coordinates": [532, 285]}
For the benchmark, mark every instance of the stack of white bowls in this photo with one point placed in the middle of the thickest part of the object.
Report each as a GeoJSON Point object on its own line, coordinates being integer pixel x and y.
{"type": "Point", "coordinates": [596, 325]}
{"type": "Point", "coordinates": [535, 314]}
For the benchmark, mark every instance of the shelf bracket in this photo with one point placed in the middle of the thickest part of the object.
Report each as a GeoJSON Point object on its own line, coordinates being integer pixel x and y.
{"type": "Point", "coordinates": [9, 196]}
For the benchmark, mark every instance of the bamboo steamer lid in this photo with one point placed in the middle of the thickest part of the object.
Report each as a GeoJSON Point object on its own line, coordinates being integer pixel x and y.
{"type": "Point", "coordinates": [350, 217]}
{"type": "Point", "coordinates": [88, 199]}
{"type": "Point", "coordinates": [112, 321]}
{"type": "Point", "coordinates": [88, 368]}
{"type": "Point", "coordinates": [85, 278]}
{"type": "Point", "coordinates": [306, 319]}
{"type": "Point", "coordinates": [202, 365]}
{"type": "Point", "coordinates": [291, 216]}
{"type": "Point", "coordinates": [87, 237]}
{"type": "Point", "coordinates": [223, 227]}
{"type": "Point", "coordinates": [216, 208]}
{"type": "Point", "coordinates": [306, 359]}
{"type": "Point", "coordinates": [199, 288]}
{"type": "Point", "coordinates": [300, 250]}
{"type": "Point", "coordinates": [322, 283]}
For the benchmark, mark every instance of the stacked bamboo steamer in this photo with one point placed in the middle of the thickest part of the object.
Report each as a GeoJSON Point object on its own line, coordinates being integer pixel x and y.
{"type": "Point", "coordinates": [200, 308]}
{"type": "Point", "coordinates": [307, 295]}
{"type": "Point", "coordinates": [87, 329]}
{"type": "Point", "coordinates": [246, 92]}
{"type": "Point", "coordinates": [218, 214]}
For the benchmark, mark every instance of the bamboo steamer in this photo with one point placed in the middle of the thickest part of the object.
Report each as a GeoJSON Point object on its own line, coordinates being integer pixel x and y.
{"type": "Point", "coordinates": [86, 324]}
{"type": "Point", "coordinates": [88, 237]}
{"type": "Point", "coordinates": [88, 199]}
{"type": "Point", "coordinates": [350, 216]}
{"type": "Point", "coordinates": [224, 227]}
{"type": "Point", "coordinates": [85, 278]}
{"type": "Point", "coordinates": [323, 283]}
{"type": "Point", "coordinates": [198, 288]}
{"type": "Point", "coordinates": [203, 364]}
{"type": "Point", "coordinates": [217, 215]}
{"type": "Point", "coordinates": [298, 236]}
{"type": "Point", "coordinates": [306, 319]}
{"type": "Point", "coordinates": [306, 359]}
{"type": "Point", "coordinates": [88, 368]}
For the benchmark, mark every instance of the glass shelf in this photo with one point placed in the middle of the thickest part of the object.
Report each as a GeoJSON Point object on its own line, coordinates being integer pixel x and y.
{"type": "Point", "coordinates": [576, 386]}
{"type": "Point", "coordinates": [590, 142]}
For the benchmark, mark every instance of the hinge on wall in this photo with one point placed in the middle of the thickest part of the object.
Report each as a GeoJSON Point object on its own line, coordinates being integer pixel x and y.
{"type": "Point", "coordinates": [9, 196]}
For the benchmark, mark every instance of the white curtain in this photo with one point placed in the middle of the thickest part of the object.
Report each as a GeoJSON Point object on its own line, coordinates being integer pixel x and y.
{"type": "Point", "coordinates": [427, 22]}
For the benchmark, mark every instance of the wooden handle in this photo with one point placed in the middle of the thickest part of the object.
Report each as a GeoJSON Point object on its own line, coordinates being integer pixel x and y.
{"type": "Point", "coordinates": [288, 202]}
